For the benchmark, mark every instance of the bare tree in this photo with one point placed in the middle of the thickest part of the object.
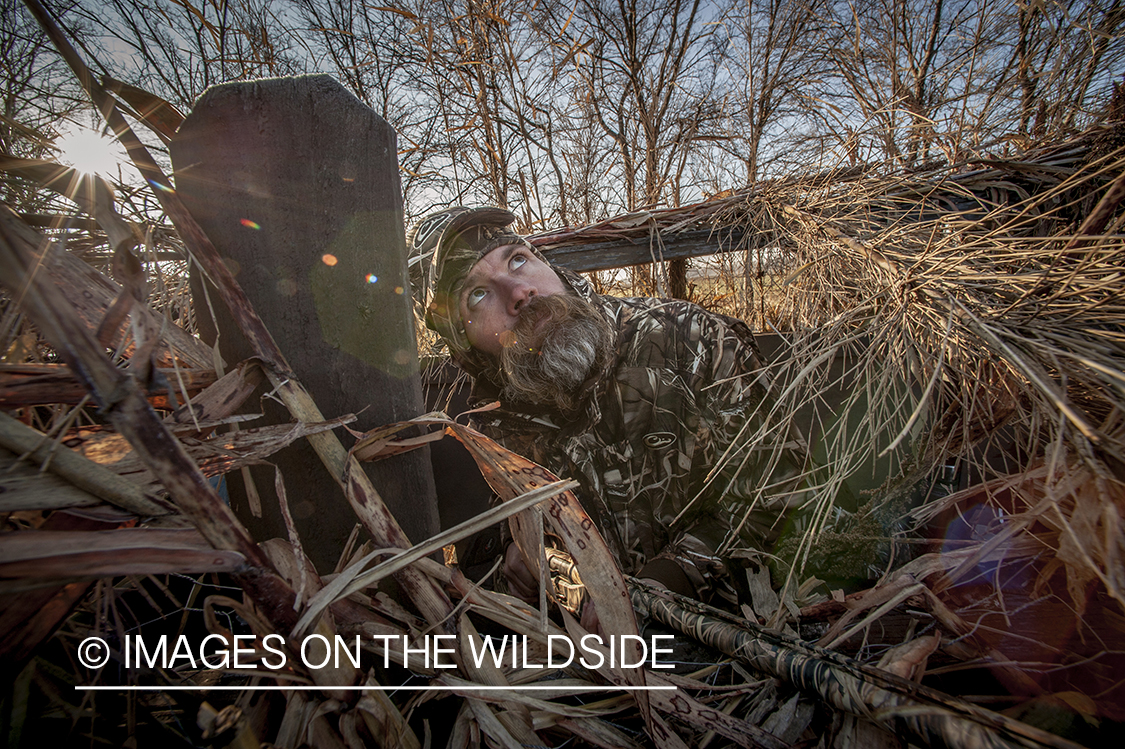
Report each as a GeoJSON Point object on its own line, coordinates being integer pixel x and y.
{"type": "Point", "coordinates": [585, 155]}
{"type": "Point", "coordinates": [650, 74]}
{"type": "Point", "coordinates": [37, 94]}
{"type": "Point", "coordinates": [773, 62]}
{"type": "Point", "coordinates": [649, 71]}
{"type": "Point", "coordinates": [1066, 55]}
{"type": "Point", "coordinates": [489, 79]}
{"type": "Point", "coordinates": [370, 50]}
{"type": "Point", "coordinates": [900, 62]}
{"type": "Point", "coordinates": [569, 112]}
{"type": "Point", "coordinates": [177, 48]}
{"type": "Point", "coordinates": [915, 79]}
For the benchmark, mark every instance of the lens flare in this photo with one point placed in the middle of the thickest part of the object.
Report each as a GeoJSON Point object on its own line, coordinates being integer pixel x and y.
{"type": "Point", "coordinates": [371, 278]}
{"type": "Point", "coordinates": [250, 224]}
{"type": "Point", "coordinates": [329, 259]}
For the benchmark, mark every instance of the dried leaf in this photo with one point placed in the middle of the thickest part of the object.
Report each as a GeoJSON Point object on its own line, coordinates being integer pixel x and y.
{"type": "Point", "coordinates": [215, 455]}
{"type": "Point", "coordinates": [86, 555]}
{"type": "Point", "coordinates": [510, 476]}
{"type": "Point", "coordinates": [908, 660]}
{"type": "Point", "coordinates": [161, 116]}
{"type": "Point", "coordinates": [401, 11]}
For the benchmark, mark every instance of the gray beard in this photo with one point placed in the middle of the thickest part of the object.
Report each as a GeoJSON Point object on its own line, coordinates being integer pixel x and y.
{"type": "Point", "coordinates": [548, 363]}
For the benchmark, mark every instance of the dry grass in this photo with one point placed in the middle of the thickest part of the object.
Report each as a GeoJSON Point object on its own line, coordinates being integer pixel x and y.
{"type": "Point", "coordinates": [968, 317]}
{"type": "Point", "coordinates": [966, 322]}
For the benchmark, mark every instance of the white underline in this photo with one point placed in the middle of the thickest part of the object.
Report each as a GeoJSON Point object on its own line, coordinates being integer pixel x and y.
{"type": "Point", "coordinates": [413, 688]}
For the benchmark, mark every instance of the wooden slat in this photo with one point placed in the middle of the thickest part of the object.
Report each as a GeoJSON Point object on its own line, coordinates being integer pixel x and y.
{"type": "Point", "coordinates": [29, 618]}
{"type": "Point", "coordinates": [624, 252]}
{"type": "Point", "coordinates": [43, 384]}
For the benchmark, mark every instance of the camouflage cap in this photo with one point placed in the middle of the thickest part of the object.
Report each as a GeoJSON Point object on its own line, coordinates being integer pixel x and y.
{"type": "Point", "coordinates": [458, 238]}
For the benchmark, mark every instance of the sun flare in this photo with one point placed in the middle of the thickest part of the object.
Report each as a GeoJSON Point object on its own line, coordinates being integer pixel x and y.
{"type": "Point", "coordinates": [90, 152]}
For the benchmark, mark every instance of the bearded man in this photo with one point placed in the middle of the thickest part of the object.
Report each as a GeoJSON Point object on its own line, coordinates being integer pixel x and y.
{"type": "Point", "coordinates": [648, 403]}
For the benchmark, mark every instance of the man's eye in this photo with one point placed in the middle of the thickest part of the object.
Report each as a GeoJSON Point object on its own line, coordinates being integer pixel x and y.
{"type": "Point", "coordinates": [474, 297]}
{"type": "Point", "coordinates": [517, 261]}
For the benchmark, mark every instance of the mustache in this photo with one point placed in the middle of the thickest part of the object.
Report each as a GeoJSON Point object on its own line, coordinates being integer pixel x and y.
{"type": "Point", "coordinates": [540, 314]}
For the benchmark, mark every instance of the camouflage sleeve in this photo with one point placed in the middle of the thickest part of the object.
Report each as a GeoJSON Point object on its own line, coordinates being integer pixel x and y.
{"type": "Point", "coordinates": [723, 378]}
{"type": "Point", "coordinates": [754, 464]}
{"type": "Point", "coordinates": [743, 475]}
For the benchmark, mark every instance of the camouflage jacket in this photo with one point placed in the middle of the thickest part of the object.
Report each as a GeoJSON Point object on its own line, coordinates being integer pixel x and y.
{"type": "Point", "coordinates": [671, 451]}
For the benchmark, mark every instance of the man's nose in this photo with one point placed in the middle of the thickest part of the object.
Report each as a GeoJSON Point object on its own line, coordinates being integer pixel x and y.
{"type": "Point", "coordinates": [519, 296]}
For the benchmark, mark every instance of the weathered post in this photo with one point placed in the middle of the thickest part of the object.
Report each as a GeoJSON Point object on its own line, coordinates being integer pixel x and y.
{"type": "Point", "coordinates": [296, 182]}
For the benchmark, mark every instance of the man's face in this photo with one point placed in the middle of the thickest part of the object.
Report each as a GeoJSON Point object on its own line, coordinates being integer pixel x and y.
{"type": "Point", "coordinates": [545, 339]}
{"type": "Point", "coordinates": [497, 289]}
